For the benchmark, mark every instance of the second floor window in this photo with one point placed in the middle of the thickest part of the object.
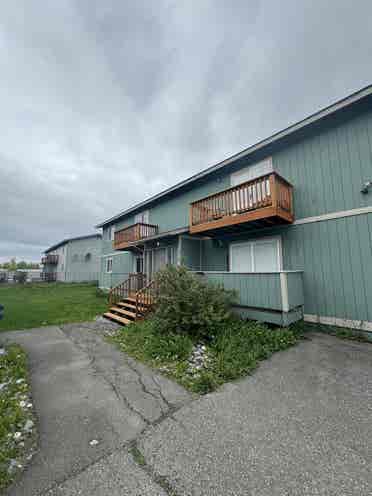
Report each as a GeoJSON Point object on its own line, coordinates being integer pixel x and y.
{"type": "Point", "coordinates": [142, 217]}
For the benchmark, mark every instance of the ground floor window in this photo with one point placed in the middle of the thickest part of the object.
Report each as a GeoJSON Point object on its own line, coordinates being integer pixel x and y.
{"type": "Point", "coordinates": [258, 255]}
{"type": "Point", "coordinates": [109, 265]}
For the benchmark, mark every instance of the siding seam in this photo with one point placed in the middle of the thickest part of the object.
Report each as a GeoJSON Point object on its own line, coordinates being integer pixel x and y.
{"type": "Point", "coordinates": [333, 215]}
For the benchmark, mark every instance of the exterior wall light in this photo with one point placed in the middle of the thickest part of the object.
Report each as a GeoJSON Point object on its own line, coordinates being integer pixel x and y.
{"type": "Point", "coordinates": [366, 187]}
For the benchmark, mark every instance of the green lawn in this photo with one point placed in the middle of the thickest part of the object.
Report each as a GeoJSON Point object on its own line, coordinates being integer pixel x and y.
{"type": "Point", "coordinates": [43, 304]}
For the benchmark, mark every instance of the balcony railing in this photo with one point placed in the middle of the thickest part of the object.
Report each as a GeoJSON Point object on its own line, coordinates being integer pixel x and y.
{"type": "Point", "coordinates": [267, 199]}
{"type": "Point", "coordinates": [132, 234]}
{"type": "Point", "coordinates": [48, 276]}
{"type": "Point", "coordinates": [50, 260]}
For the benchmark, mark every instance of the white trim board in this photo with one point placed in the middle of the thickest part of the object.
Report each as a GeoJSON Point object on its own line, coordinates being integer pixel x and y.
{"type": "Point", "coordinates": [115, 254]}
{"type": "Point", "coordinates": [360, 325]}
{"type": "Point", "coordinates": [284, 291]}
{"type": "Point", "coordinates": [333, 215]}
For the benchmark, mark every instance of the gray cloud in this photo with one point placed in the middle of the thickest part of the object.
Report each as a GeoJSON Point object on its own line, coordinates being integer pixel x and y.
{"type": "Point", "coordinates": [105, 103]}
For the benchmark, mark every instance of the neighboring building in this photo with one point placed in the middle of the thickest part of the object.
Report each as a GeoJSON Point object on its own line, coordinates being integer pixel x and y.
{"type": "Point", "coordinates": [286, 222]}
{"type": "Point", "coordinates": [73, 260]}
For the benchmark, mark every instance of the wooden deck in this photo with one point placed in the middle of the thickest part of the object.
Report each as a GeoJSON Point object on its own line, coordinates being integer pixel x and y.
{"type": "Point", "coordinates": [264, 201]}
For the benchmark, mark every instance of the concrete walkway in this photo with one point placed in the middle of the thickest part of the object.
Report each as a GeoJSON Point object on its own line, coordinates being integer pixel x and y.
{"type": "Point", "coordinates": [300, 425]}
{"type": "Point", "coordinates": [84, 390]}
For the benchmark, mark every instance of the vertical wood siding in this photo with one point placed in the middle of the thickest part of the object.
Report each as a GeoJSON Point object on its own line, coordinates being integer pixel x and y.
{"type": "Point", "coordinates": [254, 290]}
{"type": "Point", "coordinates": [327, 170]}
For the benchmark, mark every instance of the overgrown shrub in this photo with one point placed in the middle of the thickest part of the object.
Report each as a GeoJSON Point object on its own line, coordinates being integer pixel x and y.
{"type": "Point", "coordinates": [20, 277]}
{"type": "Point", "coordinates": [142, 341]}
{"type": "Point", "coordinates": [241, 344]}
{"type": "Point", "coordinates": [189, 305]}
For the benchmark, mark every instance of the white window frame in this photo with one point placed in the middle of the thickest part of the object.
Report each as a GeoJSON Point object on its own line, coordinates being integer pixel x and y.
{"type": "Point", "coordinates": [142, 217]}
{"type": "Point", "coordinates": [112, 233]}
{"type": "Point", "coordinates": [257, 169]}
{"type": "Point", "coordinates": [109, 265]}
{"type": "Point", "coordinates": [251, 243]}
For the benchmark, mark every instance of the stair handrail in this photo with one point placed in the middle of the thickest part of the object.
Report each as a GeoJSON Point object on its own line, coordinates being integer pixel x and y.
{"type": "Point", "coordinates": [145, 297]}
{"type": "Point", "coordinates": [130, 285]}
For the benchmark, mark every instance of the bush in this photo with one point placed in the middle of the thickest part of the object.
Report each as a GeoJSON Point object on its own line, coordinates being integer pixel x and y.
{"type": "Point", "coordinates": [20, 277]}
{"type": "Point", "coordinates": [240, 346]}
{"type": "Point", "coordinates": [142, 341]}
{"type": "Point", "coordinates": [188, 305]}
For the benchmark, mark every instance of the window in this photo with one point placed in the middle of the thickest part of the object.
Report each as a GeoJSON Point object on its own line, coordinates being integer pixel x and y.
{"type": "Point", "coordinates": [260, 255]}
{"type": "Point", "coordinates": [109, 265]}
{"type": "Point", "coordinates": [142, 217]}
{"type": "Point", "coordinates": [111, 233]}
{"type": "Point", "coordinates": [252, 172]}
{"type": "Point", "coordinates": [88, 257]}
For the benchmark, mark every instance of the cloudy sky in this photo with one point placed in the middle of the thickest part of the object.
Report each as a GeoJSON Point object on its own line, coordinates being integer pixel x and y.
{"type": "Point", "coordinates": [106, 103]}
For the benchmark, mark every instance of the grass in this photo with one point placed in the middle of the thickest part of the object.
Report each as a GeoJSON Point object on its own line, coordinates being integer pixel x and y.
{"type": "Point", "coordinates": [231, 353]}
{"type": "Point", "coordinates": [36, 305]}
{"type": "Point", "coordinates": [17, 431]}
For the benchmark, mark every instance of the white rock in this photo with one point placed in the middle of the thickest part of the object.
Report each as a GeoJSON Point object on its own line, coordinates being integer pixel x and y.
{"type": "Point", "coordinates": [28, 425]}
{"type": "Point", "coordinates": [93, 442]}
{"type": "Point", "coordinates": [22, 404]}
{"type": "Point", "coordinates": [2, 351]}
{"type": "Point", "coordinates": [17, 435]}
{"type": "Point", "coordinates": [19, 381]}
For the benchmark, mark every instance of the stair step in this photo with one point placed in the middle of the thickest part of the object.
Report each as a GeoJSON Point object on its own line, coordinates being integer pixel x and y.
{"type": "Point", "coordinates": [117, 318]}
{"type": "Point", "coordinates": [129, 305]}
{"type": "Point", "coordinates": [123, 312]}
{"type": "Point", "coordinates": [133, 300]}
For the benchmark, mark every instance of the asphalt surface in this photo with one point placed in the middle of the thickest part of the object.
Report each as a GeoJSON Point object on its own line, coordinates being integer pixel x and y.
{"type": "Point", "coordinates": [300, 425]}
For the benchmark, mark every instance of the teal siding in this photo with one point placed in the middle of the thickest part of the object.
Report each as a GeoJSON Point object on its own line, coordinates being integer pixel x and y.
{"type": "Point", "coordinates": [254, 290]}
{"type": "Point", "coordinates": [191, 253]}
{"type": "Point", "coordinates": [73, 266]}
{"type": "Point", "coordinates": [336, 257]}
{"type": "Point", "coordinates": [174, 212]}
{"type": "Point", "coordinates": [77, 266]}
{"type": "Point", "coordinates": [328, 169]}
{"type": "Point", "coordinates": [122, 266]}
{"type": "Point", "coordinates": [214, 256]}
{"type": "Point", "coordinates": [295, 286]}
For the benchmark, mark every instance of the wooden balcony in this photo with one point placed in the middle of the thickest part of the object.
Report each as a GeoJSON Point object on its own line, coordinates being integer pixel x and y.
{"type": "Point", "coordinates": [132, 235]}
{"type": "Point", "coordinates": [262, 202]}
{"type": "Point", "coordinates": [50, 260]}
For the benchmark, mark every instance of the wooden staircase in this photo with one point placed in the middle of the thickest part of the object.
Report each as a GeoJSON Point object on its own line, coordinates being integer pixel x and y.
{"type": "Point", "coordinates": [131, 300]}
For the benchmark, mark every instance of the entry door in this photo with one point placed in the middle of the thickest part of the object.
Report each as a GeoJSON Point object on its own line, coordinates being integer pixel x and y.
{"type": "Point", "coordinates": [138, 264]}
{"type": "Point", "coordinates": [263, 255]}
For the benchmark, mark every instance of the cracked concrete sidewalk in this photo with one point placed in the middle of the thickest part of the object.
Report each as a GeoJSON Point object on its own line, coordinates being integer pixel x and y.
{"type": "Point", "coordinates": [83, 390]}
{"type": "Point", "coordinates": [300, 425]}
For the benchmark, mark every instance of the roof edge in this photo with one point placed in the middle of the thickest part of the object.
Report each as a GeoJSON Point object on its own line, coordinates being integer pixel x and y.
{"type": "Point", "coordinates": [311, 119]}
{"type": "Point", "coordinates": [67, 240]}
